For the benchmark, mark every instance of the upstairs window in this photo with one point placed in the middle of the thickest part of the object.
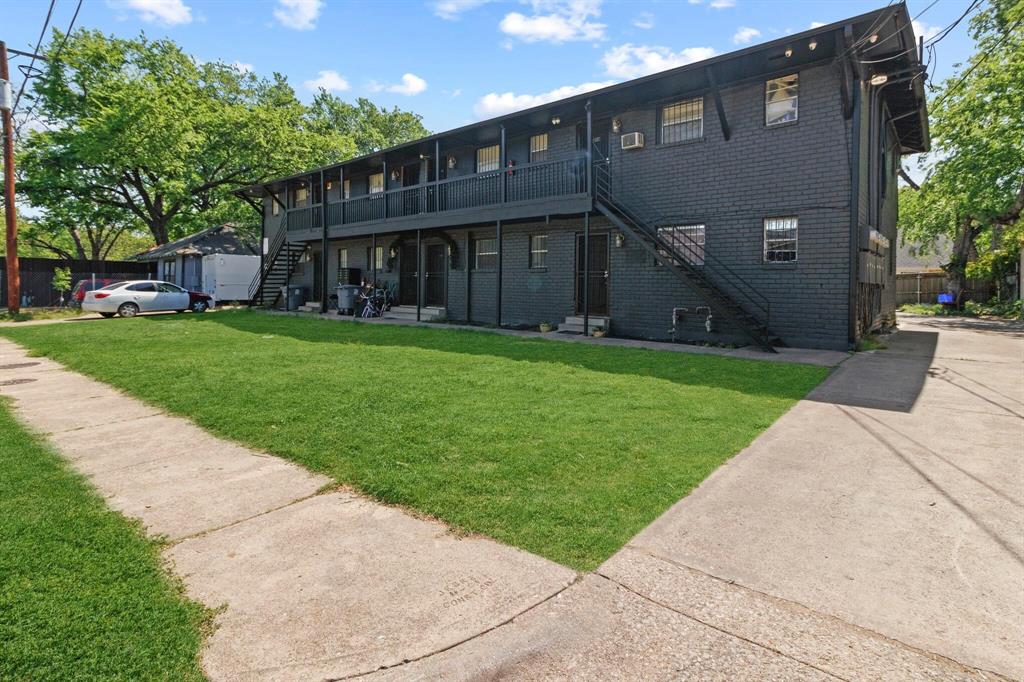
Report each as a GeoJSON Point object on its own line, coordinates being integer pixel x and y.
{"type": "Point", "coordinates": [488, 159]}
{"type": "Point", "coordinates": [687, 242]}
{"type": "Point", "coordinates": [780, 100]}
{"type": "Point", "coordinates": [485, 254]}
{"type": "Point", "coordinates": [301, 196]}
{"type": "Point", "coordinates": [539, 148]}
{"type": "Point", "coordinates": [346, 189]}
{"type": "Point", "coordinates": [538, 251]}
{"type": "Point", "coordinates": [375, 183]}
{"type": "Point", "coordinates": [780, 236]}
{"type": "Point", "coordinates": [275, 208]}
{"type": "Point", "coordinates": [683, 121]}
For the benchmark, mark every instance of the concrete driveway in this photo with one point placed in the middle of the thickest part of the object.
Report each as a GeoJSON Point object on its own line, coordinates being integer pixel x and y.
{"type": "Point", "coordinates": [892, 498]}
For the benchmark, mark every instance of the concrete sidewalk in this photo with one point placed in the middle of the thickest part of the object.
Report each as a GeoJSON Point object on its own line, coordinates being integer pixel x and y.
{"type": "Point", "coordinates": [874, 532]}
{"type": "Point", "coordinates": [313, 585]}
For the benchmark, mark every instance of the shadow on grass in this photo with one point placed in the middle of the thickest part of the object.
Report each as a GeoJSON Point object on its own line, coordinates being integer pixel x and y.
{"type": "Point", "coordinates": [788, 381]}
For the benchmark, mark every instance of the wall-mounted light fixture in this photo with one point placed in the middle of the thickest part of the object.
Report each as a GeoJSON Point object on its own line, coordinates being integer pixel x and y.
{"type": "Point", "coordinates": [452, 161]}
{"type": "Point", "coordinates": [616, 125]}
{"type": "Point", "coordinates": [813, 44]}
{"type": "Point", "coordinates": [879, 79]}
{"type": "Point", "coordinates": [424, 157]}
{"type": "Point", "coordinates": [620, 239]}
{"type": "Point", "coordinates": [788, 52]}
{"type": "Point", "coordinates": [555, 120]}
{"type": "Point", "coordinates": [396, 175]}
{"type": "Point", "coordinates": [873, 39]}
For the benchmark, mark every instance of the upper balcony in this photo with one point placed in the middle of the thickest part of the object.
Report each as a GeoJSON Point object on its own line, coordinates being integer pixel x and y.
{"type": "Point", "coordinates": [533, 189]}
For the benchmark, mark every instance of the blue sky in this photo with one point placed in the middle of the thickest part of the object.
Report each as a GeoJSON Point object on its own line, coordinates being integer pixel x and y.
{"type": "Point", "coordinates": [457, 61]}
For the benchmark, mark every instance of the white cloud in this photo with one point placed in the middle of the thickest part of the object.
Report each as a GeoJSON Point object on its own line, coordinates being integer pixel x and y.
{"type": "Point", "coordinates": [722, 4]}
{"type": "Point", "coordinates": [817, 24]}
{"type": "Point", "coordinates": [555, 21]}
{"type": "Point", "coordinates": [329, 80]}
{"type": "Point", "coordinates": [633, 61]}
{"type": "Point", "coordinates": [644, 20]}
{"type": "Point", "coordinates": [242, 67]}
{"type": "Point", "coordinates": [411, 85]}
{"type": "Point", "coordinates": [496, 104]}
{"type": "Point", "coordinates": [300, 15]}
{"type": "Point", "coordinates": [451, 9]}
{"type": "Point", "coordinates": [923, 30]}
{"type": "Point", "coordinates": [744, 34]}
{"type": "Point", "coordinates": [167, 12]}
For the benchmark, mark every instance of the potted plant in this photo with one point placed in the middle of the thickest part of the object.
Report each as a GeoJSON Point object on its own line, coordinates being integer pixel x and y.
{"type": "Point", "coordinates": [599, 332]}
{"type": "Point", "coordinates": [545, 327]}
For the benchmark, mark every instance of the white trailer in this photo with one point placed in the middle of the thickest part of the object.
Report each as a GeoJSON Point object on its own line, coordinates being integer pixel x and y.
{"type": "Point", "coordinates": [227, 277]}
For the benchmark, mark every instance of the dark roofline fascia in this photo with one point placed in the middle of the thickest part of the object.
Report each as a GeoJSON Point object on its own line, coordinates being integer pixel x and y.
{"type": "Point", "coordinates": [711, 61]}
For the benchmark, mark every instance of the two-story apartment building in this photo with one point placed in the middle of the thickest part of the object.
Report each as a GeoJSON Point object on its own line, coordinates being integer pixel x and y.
{"type": "Point", "coordinates": [746, 198]}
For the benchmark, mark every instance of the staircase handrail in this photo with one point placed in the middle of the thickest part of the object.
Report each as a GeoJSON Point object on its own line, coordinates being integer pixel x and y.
{"type": "Point", "coordinates": [603, 191]}
{"type": "Point", "coordinates": [268, 263]}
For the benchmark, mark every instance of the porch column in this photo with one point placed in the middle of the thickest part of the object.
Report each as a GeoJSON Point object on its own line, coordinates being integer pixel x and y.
{"type": "Point", "coordinates": [373, 260]}
{"type": "Point", "coordinates": [590, 150]}
{"type": "Point", "coordinates": [384, 196]}
{"type": "Point", "coordinates": [498, 287]}
{"type": "Point", "coordinates": [323, 249]}
{"type": "Point", "coordinates": [504, 186]}
{"type": "Point", "coordinates": [469, 277]}
{"type": "Point", "coordinates": [341, 191]}
{"type": "Point", "coordinates": [586, 265]}
{"type": "Point", "coordinates": [263, 236]}
{"type": "Point", "coordinates": [437, 174]}
{"type": "Point", "coordinates": [419, 275]}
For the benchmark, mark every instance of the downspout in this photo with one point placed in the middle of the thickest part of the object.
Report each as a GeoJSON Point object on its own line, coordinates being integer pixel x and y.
{"type": "Point", "coordinates": [323, 249]}
{"type": "Point", "coordinates": [854, 209]}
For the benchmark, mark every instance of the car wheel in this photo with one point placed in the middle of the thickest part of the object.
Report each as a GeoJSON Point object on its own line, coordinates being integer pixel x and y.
{"type": "Point", "coordinates": [200, 306]}
{"type": "Point", "coordinates": [128, 310]}
{"type": "Point", "coordinates": [106, 314]}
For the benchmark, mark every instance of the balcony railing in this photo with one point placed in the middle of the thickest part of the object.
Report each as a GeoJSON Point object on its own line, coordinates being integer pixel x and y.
{"type": "Point", "coordinates": [530, 182]}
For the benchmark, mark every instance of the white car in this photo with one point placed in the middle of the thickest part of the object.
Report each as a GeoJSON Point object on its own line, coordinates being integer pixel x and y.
{"type": "Point", "coordinates": [128, 299]}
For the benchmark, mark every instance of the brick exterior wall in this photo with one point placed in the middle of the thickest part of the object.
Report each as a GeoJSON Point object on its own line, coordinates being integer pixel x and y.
{"type": "Point", "coordinates": [730, 186]}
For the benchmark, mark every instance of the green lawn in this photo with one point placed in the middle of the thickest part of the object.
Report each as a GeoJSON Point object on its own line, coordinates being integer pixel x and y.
{"type": "Point", "coordinates": [83, 594]}
{"type": "Point", "coordinates": [562, 449]}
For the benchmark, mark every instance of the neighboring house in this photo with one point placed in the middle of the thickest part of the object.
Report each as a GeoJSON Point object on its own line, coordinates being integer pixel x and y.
{"type": "Point", "coordinates": [725, 184]}
{"type": "Point", "coordinates": [181, 261]}
{"type": "Point", "coordinates": [914, 258]}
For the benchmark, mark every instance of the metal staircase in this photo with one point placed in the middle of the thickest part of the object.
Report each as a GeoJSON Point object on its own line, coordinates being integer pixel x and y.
{"type": "Point", "coordinates": [728, 295]}
{"type": "Point", "coordinates": [278, 265]}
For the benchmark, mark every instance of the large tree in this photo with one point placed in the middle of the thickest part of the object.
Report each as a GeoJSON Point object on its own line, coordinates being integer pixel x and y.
{"type": "Point", "coordinates": [140, 129]}
{"type": "Point", "coordinates": [973, 193]}
{"type": "Point", "coordinates": [369, 126]}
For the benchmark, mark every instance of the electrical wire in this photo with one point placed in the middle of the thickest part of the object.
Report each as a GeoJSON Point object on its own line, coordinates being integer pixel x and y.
{"type": "Point", "coordinates": [976, 64]}
{"type": "Point", "coordinates": [56, 55]}
{"type": "Point", "coordinates": [39, 43]}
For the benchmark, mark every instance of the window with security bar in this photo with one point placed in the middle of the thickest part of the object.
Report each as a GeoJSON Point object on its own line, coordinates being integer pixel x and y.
{"type": "Point", "coordinates": [375, 183]}
{"type": "Point", "coordinates": [780, 239]}
{"type": "Point", "coordinates": [486, 254]}
{"type": "Point", "coordinates": [687, 241]}
{"type": "Point", "coordinates": [539, 148]}
{"type": "Point", "coordinates": [781, 100]}
{"type": "Point", "coordinates": [488, 158]}
{"type": "Point", "coordinates": [346, 189]}
{"type": "Point", "coordinates": [683, 121]}
{"type": "Point", "coordinates": [538, 251]}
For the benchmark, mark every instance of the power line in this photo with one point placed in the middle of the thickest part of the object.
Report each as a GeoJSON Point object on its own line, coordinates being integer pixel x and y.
{"type": "Point", "coordinates": [56, 55]}
{"type": "Point", "coordinates": [42, 34]}
{"type": "Point", "coordinates": [934, 40]}
{"type": "Point", "coordinates": [978, 63]}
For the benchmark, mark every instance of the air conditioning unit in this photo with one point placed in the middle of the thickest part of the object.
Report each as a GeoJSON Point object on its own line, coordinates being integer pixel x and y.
{"type": "Point", "coordinates": [633, 141]}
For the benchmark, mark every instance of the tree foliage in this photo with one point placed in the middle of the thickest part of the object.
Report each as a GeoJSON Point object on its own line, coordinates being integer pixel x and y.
{"type": "Point", "coordinates": [973, 193]}
{"type": "Point", "coordinates": [139, 135]}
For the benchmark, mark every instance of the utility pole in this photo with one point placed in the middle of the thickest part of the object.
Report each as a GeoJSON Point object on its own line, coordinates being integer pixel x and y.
{"type": "Point", "coordinates": [10, 211]}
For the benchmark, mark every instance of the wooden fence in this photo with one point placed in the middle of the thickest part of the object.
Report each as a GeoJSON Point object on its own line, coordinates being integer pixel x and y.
{"type": "Point", "coordinates": [925, 287]}
{"type": "Point", "coordinates": [37, 277]}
